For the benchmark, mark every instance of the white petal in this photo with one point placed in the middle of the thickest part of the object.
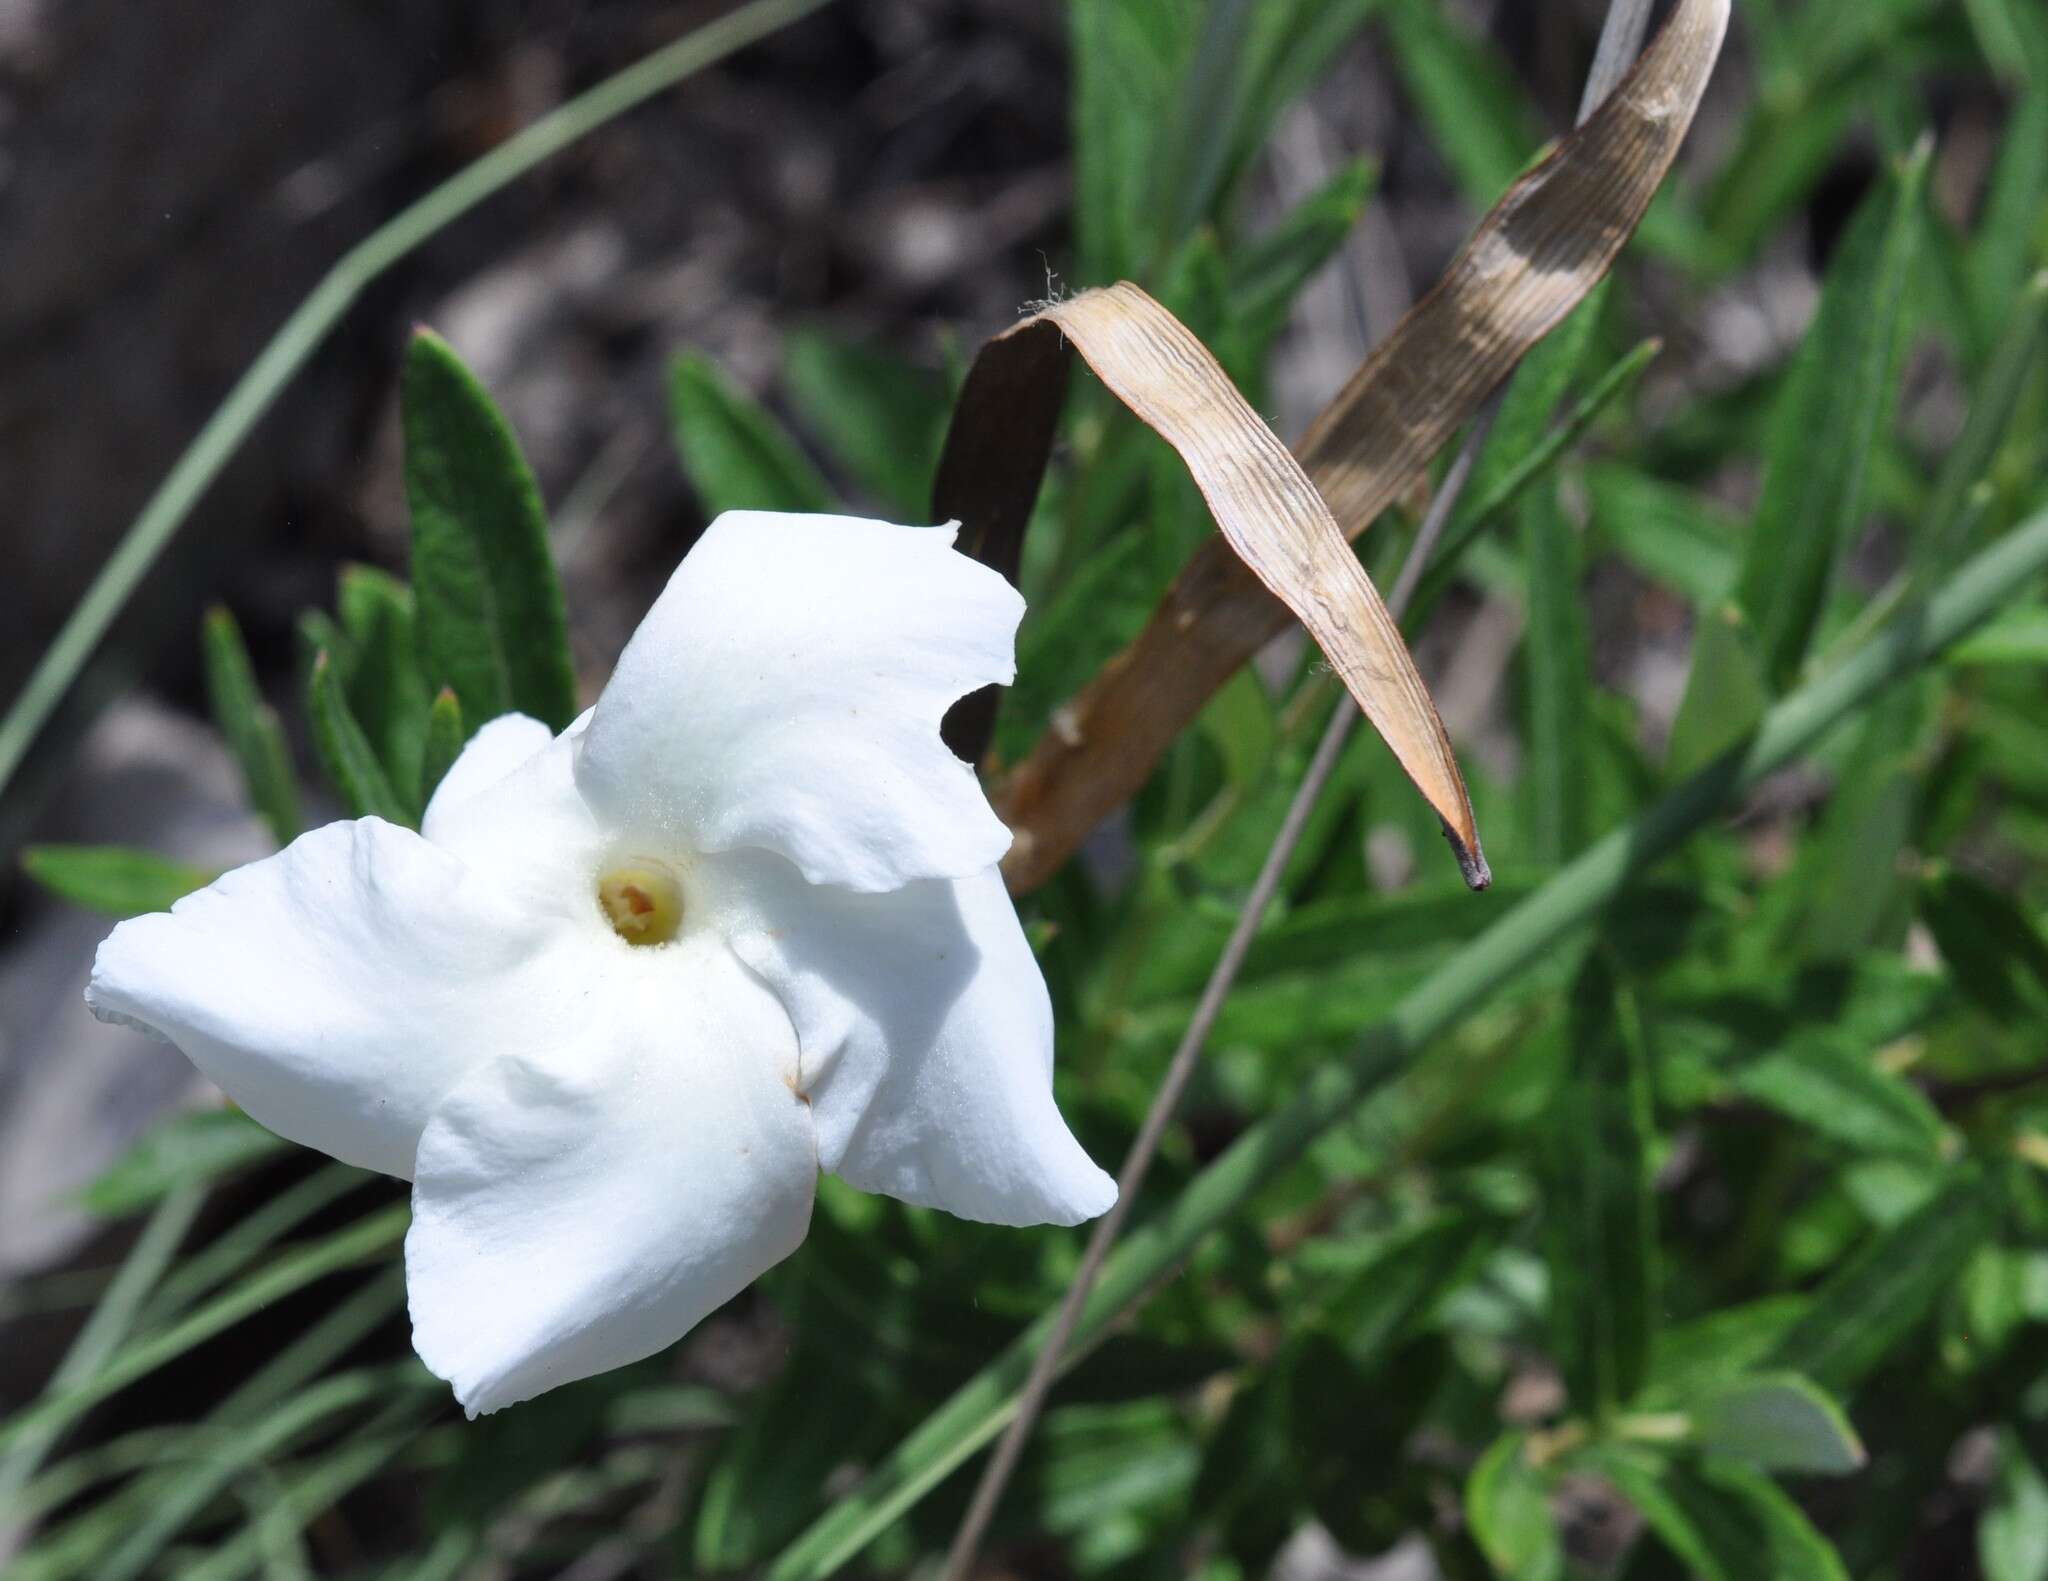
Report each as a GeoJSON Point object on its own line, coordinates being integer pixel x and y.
{"type": "Point", "coordinates": [926, 1037]}
{"type": "Point", "coordinates": [528, 827]}
{"type": "Point", "coordinates": [491, 754]}
{"type": "Point", "coordinates": [580, 1208]}
{"type": "Point", "coordinates": [335, 990]}
{"type": "Point", "coordinates": [786, 691]}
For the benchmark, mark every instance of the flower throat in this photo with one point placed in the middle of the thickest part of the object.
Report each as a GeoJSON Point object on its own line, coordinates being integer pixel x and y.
{"type": "Point", "coordinates": [642, 901]}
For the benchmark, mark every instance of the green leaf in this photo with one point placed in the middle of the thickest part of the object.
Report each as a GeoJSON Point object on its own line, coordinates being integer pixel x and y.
{"type": "Point", "coordinates": [1779, 1422]}
{"type": "Point", "coordinates": [345, 751]}
{"type": "Point", "coordinates": [1836, 1089]}
{"type": "Point", "coordinates": [2022, 331]}
{"type": "Point", "coordinates": [2012, 1533]}
{"type": "Point", "coordinates": [2014, 37]}
{"type": "Point", "coordinates": [1598, 1206]}
{"type": "Point", "coordinates": [1518, 472]}
{"type": "Point", "coordinates": [116, 879]}
{"type": "Point", "coordinates": [1534, 397]}
{"type": "Point", "coordinates": [737, 456]}
{"type": "Point", "coordinates": [1267, 272]}
{"type": "Point", "coordinates": [2012, 237]}
{"type": "Point", "coordinates": [1726, 694]}
{"type": "Point", "coordinates": [1710, 1351]}
{"type": "Point", "coordinates": [882, 417]}
{"type": "Point", "coordinates": [199, 1145]}
{"type": "Point", "coordinates": [1127, 64]}
{"type": "Point", "coordinates": [2019, 636]}
{"type": "Point", "coordinates": [1724, 1521]}
{"type": "Point", "coordinates": [1507, 1503]}
{"type": "Point", "coordinates": [1560, 679]}
{"type": "Point", "coordinates": [1395, 1291]}
{"type": "Point", "coordinates": [250, 726]}
{"type": "Point", "coordinates": [1292, 46]}
{"type": "Point", "coordinates": [1867, 1307]}
{"type": "Point", "coordinates": [1478, 115]}
{"type": "Point", "coordinates": [492, 624]}
{"type": "Point", "coordinates": [1998, 956]}
{"type": "Point", "coordinates": [443, 743]}
{"type": "Point", "coordinates": [1828, 422]}
{"type": "Point", "coordinates": [1853, 889]}
{"type": "Point", "coordinates": [385, 688]}
{"type": "Point", "coordinates": [1671, 534]}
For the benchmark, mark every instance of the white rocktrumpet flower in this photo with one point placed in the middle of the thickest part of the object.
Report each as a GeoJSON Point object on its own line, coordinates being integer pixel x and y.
{"type": "Point", "coordinates": [632, 987]}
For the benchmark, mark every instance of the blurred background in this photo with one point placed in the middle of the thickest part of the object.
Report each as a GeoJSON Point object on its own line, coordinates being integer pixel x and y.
{"type": "Point", "coordinates": [835, 218]}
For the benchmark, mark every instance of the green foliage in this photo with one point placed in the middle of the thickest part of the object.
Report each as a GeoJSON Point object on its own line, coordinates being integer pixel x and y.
{"type": "Point", "coordinates": [345, 751]}
{"type": "Point", "coordinates": [492, 625]}
{"type": "Point", "coordinates": [1722, 1110]}
{"type": "Point", "coordinates": [250, 726]}
{"type": "Point", "coordinates": [115, 879]}
{"type": "Point", "coordinates": [737, 456]}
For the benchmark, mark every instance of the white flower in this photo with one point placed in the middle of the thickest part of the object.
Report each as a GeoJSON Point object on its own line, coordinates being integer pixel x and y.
{"type": "Point", "coordinates": [607, 1141]}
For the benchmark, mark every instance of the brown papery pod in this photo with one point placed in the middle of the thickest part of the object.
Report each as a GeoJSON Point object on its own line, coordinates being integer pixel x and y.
{"type": "Point", "coordinates": [1268, 511]}
{"type": "Point", "coordinates": [1530, 262]}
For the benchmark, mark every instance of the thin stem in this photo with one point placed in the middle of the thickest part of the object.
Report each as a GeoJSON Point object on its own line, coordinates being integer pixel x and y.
{"type": "Point", "coordinates": [1620, 41]}
{"type": "Point", "coordinates": [104, 1330]}
{"type": "Point", "coordinates": [310, 323]}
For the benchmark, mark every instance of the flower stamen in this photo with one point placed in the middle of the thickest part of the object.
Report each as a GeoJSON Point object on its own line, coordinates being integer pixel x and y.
{"type": "Point", "coordinates": [643, 902]}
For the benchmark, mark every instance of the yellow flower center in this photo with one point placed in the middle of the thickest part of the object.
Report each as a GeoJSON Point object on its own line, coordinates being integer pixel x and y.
{"type": "Point", "coordinates": [642, 901]}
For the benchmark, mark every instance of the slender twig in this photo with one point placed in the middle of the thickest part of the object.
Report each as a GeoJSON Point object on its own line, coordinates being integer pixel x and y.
{"type": "Point", "coordinates": [1620, 41]}
{"type": "Point", "coordinates": [314, 318]}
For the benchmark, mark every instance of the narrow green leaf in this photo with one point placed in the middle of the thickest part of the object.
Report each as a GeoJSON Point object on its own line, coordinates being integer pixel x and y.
{"type": "Point", "coordinates": [2019, 636]}
{"type": "Point", "coordinates": [250, 726]}
{"type": "Point", "coordinates": [1725, 694]}
{"type": "Point", "coordinates": [2012, 1533]}
{"type": "Point", "coordinates": [737, 456]}
{"type": "Point", "coordinates": [1598, 1207]}
{"type": "Point", "coordinates": [1508, 1505]}
{"type": "Point", "coordinates": [1827, 424]}
{"type": "Point", "coordinates": [1997, 954]}
{"type": "Point", "coordinates": [185, 1149]}
{"type": "Point", "coordinates": [1779, 1422]}
{"type": "Point", "coordinates": [385, 687]}
{"type": "Point", "coordinates": [2012, 236]}
{"type": "Point", "coordinates": [1558, 654]}
{"type": "Point", "coordinates": [345, 751]}
{"type": "Point", "coordinates": [1239, 723]}
{"type": "Point", "coordinates": [1127, 64]}
{"type": "Point", "coordinates": [492, 623]}
{"type": "Point", "coordinates": [1293, 44]}
{"type": "Point", "coordinates": [882, 417]}
{"type": "Point", "coordinates": [1870, 1304]}
{"type": "Point", "coordinates": [1477, 112]}
{"type": "Point", "coordinates": [1712, 1351]}
{"type": "Point", "coordinates": [1534, 397]}
{"type": "Point", "coordinates": [443, 744]}
{"type": "Point", "coordinates": [1268, 271]}
{"type": "Point", "coordinates": [367, 1237]}
{"type": "Point", "coordinates": [1850, 872]}
{"type": "Point", "coordinates": [1723, 1520]}
{"type": "Point", "coordinates": [2022, 331]}
{"type": "Point", "coordinates": [1671, 534]}
{"type": "Point", "coordinates": [1837, 1090]}
{"type": "Point", "coordinates": [2014, 37]}
{"type": "Point", "coordinates": [1519, 473]}
{"type": "Point", "coordinates": [115, 879]}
